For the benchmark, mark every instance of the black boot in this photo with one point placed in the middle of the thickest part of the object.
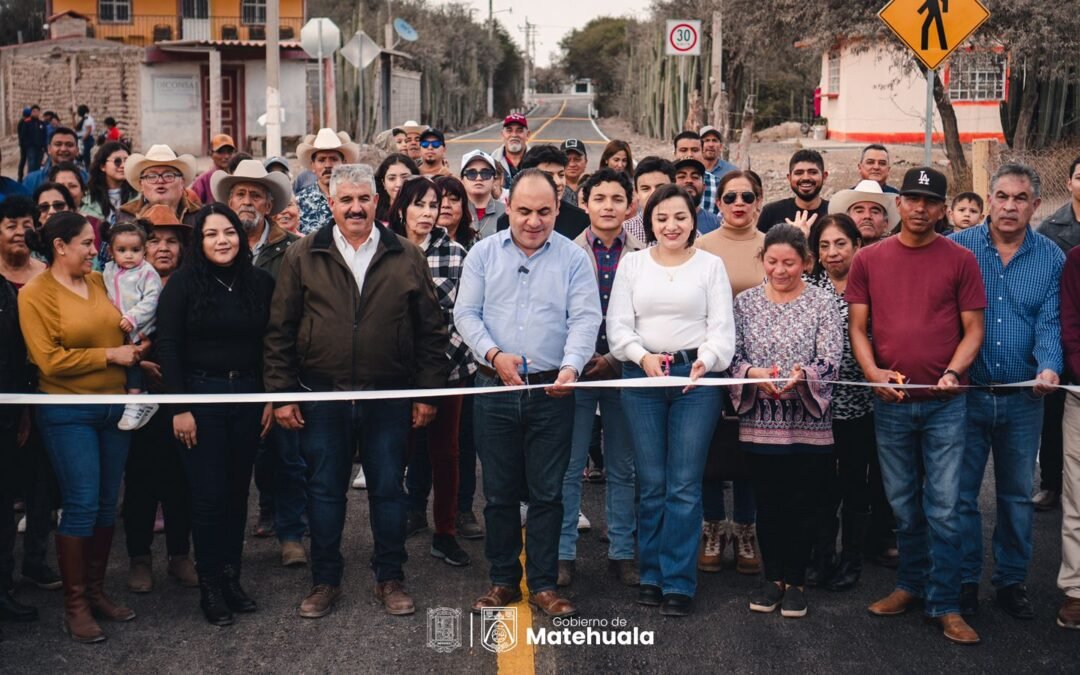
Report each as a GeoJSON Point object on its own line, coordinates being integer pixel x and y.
{"type": "Point", "coordinates": [212, 601]}
{"type": "Point", "coordinates": [850, 569]}
{"type": "Point", "coordinates": [235, 597]}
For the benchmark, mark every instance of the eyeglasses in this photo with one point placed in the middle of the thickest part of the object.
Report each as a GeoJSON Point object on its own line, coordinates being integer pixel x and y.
{"type": "Point", "coordinates": [431, 144]}
{"type": "Point", "coordinates": [478, 174]}
{"type": "Point", "coordinates": [119, 161]}
{"type": "Point", "coordinates": [747, 197]}
{"type": "Point", "coordinates": [155, 178]}
{"type": "Point", "coordinates": [45, 207]}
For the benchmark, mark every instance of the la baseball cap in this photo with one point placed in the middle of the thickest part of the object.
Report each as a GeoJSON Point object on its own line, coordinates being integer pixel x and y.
{"type": "Point", "coordinates": [574, 145]}
{"type": "Point", "coordinates": [477, 154]}
{"type": "Point", "coordinates": [515, 118]}
{"type": "Point", "coordinates": [220, 141]}
{"type": "Point", "coordinates": [925, 181]}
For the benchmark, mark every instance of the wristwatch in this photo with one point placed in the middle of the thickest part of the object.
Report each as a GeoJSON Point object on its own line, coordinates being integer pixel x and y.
{"type": "Point", "coordinates": [950, 371]}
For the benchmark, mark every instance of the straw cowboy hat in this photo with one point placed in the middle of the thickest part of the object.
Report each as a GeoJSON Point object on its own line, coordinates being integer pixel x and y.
{"type": "Point", "coordinates": [865, 191]}
{"type": "Point", "coordinates": [326, 139]}
{"type": "Point", "coordinates": [413, 127]}
{"type": "Point", "coordinates": [252, 171]}
{"type": "Point", "coordinates": [158, 155]}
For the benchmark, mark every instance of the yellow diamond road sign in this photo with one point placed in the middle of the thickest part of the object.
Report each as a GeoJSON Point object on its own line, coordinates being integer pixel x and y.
{"type": "Point", "coordinates": [933, 28]}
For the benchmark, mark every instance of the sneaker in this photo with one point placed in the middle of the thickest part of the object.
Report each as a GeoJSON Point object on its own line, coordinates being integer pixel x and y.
{"type": "Point", "coordinates": [714, 536]}
{"type": "Point", "coordinates": [468, 527]}
{"type": "Point", "coordinates": [793, 605]}
{"type": "Point", "coordinates": [583, 524]}
{"type": "Point", "coordinates": [415, 523]}
{"type": "Point", "coordinates": [523, 508]}
{"type": "Point", "coordinates": [360, 482]}
{"type": "Point", "coordinates": [767, 597]}
{"type": "Point", "coordinates": [445, 546]}
{"type": "Point", "coordinates": [747, 559]}
{"type": "Point", "coordinates": [1046, 500]}
{"type": "Point", "coordinates": [136, 415]}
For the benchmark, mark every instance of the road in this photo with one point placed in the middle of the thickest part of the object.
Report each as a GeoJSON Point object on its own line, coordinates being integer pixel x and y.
{"type": "Point", "coordinates": [553, 120]}
{"type": "Point", "coordinates": [170, 636]}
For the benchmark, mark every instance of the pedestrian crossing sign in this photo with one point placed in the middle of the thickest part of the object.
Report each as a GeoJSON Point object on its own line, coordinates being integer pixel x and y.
{"type": "Point", "coordinates": [934, 28]}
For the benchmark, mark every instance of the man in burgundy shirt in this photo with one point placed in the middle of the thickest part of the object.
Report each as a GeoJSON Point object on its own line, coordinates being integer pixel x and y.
{"type": "Point", "coordinates": [1069, 574]}
{"type": "Point", "coordinates": [924, 296]}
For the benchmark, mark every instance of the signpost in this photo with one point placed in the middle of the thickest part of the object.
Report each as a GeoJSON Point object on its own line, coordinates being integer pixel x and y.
{"type": "Point", "coordinates": [682, 38]}
{"type": "Point", "coordinates": [320, 38]}
{"type": "Point", "coordinates": [933, 29]}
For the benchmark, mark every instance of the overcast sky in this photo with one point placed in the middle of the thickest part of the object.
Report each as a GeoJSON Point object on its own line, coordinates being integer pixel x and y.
{"type": "Point", "coordinates": [553, 18]}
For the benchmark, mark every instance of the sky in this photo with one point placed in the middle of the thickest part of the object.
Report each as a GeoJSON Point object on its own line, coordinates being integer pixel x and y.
{"type": "Point", "coordinates": [553, 18]}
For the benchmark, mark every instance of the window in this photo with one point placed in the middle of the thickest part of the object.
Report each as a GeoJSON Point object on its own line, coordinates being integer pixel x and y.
{"type": "Point", "coordinates": [977, 76]}
{"type": "Point", "coordinates": [834, 72]}
{"type": "Point", "coordinates": [253, 11]}
{"type": "Point", "coordinates": [114, 11]}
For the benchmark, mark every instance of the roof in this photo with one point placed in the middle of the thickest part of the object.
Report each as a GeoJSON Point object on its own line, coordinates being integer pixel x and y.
{"type": "Point", "coordinates": [68, 12]}
{"type": "Point", "coordinates": [282, 44]}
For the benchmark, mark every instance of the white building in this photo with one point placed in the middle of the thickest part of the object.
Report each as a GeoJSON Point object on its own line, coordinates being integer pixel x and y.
{"type": "Point", "coordinates": [868, 98]}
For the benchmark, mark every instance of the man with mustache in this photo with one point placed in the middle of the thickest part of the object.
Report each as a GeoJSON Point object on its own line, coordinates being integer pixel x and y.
{"type": "Point", "coordinates": [873, 211]}
{"type": "Point", "coordinates": [924, 297]}
{"type": "Point", "coordinates": [256, 196]}
{"type": "Point", "coordinates": [1023, 343]}
{"type": "Point", "coordinates": [355, 309]}
{"type": "Point", "coordinates": [433, 154]}
{"type": "Point", "coordinates": [320, 153]}
{"type": "Point", "coordinates": [515, 134]}
{"type": "Point", "coordinates": [806, 175]}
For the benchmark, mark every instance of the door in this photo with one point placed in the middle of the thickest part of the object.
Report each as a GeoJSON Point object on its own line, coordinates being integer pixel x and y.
{"type": "Point", "coordinates": [195, 15]}
{"type": "Point", "coordinates": [232, 104]}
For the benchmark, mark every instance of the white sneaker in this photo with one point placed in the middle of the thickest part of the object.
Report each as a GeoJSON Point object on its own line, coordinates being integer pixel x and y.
{"type": "Point", "coordinates": [136, 415]}
{"type": "Point", "coordinates": [22, 525]}
{"type": "Point", "coordinates": [360, 482]}
{"type": "Point", "coordinates": [583, 523]}
{"type": "Point", "coordinates": [524, 509]}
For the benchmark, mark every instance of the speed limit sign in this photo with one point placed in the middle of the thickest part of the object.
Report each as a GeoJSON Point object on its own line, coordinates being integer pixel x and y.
{"type": "Point", "coordinates": [683, 37]}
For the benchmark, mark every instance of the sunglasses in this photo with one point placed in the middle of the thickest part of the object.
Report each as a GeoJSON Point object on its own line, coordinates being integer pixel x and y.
{"type": "Point", "coordinates": [747, 197]}
{"type": "Point", "coordinates": [431, 144]}
{"type": "Point", "coordinates": [119, 161]}
{"type": "Point", "coordinates": [45, 207]}
{"type": "Point", "coordinates": [478, 174]}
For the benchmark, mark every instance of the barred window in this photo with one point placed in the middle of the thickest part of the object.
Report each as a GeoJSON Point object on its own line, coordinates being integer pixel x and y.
{"type": "Point", "coordinates": [114, 11]}
{"type": "Point", "coordinates": [977, 76]}
{"type": "Point", "coordinates": [834, 72]}
{"type": "Point", "coordinates": [253, 11]}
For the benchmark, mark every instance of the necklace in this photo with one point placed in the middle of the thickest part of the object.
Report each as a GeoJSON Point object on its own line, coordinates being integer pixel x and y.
{"type": "Point", "coordinates": [228, 286]}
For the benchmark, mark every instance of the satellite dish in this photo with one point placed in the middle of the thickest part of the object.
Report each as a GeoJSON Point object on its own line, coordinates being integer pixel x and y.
{"type": "Point", "coordinates": [405, 31]}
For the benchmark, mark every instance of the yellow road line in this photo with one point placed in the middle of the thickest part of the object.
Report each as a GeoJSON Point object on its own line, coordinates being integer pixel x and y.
{"type": "Point", "coordinates": [521, 659]}
{"type": "Point", "coordinates": [550, 120]}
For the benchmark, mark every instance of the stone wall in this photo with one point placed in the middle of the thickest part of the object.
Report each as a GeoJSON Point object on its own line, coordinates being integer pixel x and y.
{"type": "Point", "coordinates": [60, 75]}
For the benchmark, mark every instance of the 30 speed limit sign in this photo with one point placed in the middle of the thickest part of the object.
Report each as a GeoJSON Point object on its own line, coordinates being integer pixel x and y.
{"type": "Point", "coordinates": [683, 37]}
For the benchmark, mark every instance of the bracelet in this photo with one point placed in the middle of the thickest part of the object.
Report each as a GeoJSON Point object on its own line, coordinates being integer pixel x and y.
{"type": "Point", "coordinates": [495, 356]}
{"type": "Point", "coordinates": [950, 371]}
{"type": "Point", "coordinates": [572, 369]}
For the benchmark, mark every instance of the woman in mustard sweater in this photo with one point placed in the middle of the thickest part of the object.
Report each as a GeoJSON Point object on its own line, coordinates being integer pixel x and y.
{"type": "Point", "coordinates": [73, 336]}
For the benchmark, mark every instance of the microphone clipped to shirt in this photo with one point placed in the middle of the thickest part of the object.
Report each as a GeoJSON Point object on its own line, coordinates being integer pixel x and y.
{"type": "Point", "coordinates": [523, 270]}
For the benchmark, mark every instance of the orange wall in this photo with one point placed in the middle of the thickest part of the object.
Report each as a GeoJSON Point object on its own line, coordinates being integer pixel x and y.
{"type": "Point", "coordinates": [289, 8]}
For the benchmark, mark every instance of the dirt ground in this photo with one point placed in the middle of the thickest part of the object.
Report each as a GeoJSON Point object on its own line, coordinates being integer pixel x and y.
{"type": "Point", "coordinates": [770, 158]}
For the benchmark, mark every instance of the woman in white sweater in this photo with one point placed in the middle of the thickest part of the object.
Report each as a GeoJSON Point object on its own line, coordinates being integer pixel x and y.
{"type": "Point", "coordinates": [671, 314]}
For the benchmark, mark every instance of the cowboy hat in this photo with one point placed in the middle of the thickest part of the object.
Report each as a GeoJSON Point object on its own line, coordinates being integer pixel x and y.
{"type": "Point", "coordinates": [413, 127]}
{"type": "Point", "coordinates": [158, 155]}
{"type": "Point", "coordinates": [160, 215]}
{"type": "Point", "coordinates": [326, 139]}
{"type": "Point", "coordinates": [865, 191]}
{"type": "Point", "coordinates": [252, 171]}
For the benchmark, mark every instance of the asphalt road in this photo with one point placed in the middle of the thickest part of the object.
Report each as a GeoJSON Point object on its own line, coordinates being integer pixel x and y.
{"type": "Point", "coordinates": [553, 120]}
{"type": "Point", "coordinates": [169, 634]}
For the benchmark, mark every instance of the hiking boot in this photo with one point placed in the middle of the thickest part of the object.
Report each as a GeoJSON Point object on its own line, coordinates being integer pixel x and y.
{"type": "Point", "coordinates": [714, 538]}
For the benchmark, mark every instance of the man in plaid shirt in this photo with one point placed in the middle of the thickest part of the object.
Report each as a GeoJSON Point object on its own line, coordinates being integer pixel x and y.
{"type": "Point", "coordinates": [688, 146]}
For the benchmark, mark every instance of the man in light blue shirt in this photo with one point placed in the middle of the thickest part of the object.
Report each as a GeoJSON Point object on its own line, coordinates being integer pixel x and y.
{"type": "Point", "coordinates": [1022, 272]}
{"type": "Point", "coordinates": [528, 306]}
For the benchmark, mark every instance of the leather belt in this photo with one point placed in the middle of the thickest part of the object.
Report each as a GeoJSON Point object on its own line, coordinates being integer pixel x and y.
{"type": "Point", "coordinates": [542, 377]}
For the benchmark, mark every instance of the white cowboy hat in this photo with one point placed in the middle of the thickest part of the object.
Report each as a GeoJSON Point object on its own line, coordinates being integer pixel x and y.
{"type": "Point", "coordinates": [326, 139]}
{"type": "Point", "coordinates": [865, 191]}
{"type": "Point", "coordinates": [252, 171]}
{"type": "Point", "coordinates": [413, 127]}
{"type": "Point", "coordinates": [158, 155]}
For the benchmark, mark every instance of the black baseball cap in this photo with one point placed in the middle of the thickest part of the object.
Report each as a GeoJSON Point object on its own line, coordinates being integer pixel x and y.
{"type": "Point", "coordinates": [432, 131]}
{"type": "Point", "coordinates": [925, 181]}
{"type": "Point", "coordinates": [690, 162]}
{"type": "Point", "coordinates": [574, 145]}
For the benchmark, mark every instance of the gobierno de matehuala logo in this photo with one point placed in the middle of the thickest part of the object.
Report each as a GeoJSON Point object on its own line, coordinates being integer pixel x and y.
{"type": "Point", "coordinates": [498, 631]}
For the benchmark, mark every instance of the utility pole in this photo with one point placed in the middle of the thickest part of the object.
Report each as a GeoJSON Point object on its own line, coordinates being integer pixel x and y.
{"type": "Point", "coordinates": [528, 60]}
{"type": "Point", "coordinates": [491, 66]}
{"type": "Point", "coordinates": [273, 76]}
{"type": "Point", "coordinates": [385, 72]}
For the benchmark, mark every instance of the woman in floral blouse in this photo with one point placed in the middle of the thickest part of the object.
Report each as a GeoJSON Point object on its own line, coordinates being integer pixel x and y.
{"type": "Point", "coordinates": [790, 331]}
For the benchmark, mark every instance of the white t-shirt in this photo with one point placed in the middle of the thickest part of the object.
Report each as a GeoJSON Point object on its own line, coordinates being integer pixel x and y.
{"type": "Point", "coordinates": [655, 309]}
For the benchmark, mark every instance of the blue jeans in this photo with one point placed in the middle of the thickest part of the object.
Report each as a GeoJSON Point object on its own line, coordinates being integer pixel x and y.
{"type": "Point", "coordinates": [290, 486]}
{"type": "Point", "coordinates": [621, 493]}
{"type": "Point", "coordinates": [921, 449]}
{"type": "Point", "coordinates": [326, 443]}
{"type": "Point", "coordinates": [88, 454]}
{"type": "Point", "coordinates": [524, 448]}
{"type": "Point", "coordinates": [1010, 427]}
{"type": "Point", "coordinates": [671, 432]}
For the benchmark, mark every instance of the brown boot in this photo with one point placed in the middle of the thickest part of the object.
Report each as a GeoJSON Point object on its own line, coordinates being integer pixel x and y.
{"type": "Point", "coordinates": [897, 602]}
{"type": "Point", "coordinates": [141, 575]}
{"type": "Point", "coordinates": [78, 621]}
{"type": "Point", "coordinates": [394, 598]}
{"type": "Point", "coordinates": [183, 570]}
{"type": "Point", "coordinates": [97, 559]}
{"type": "Point", "coordinates": [956, 629]}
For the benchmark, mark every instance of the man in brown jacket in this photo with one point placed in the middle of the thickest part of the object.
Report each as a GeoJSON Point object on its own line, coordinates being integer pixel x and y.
{"type": "Point", "coordinates": [355, 309]}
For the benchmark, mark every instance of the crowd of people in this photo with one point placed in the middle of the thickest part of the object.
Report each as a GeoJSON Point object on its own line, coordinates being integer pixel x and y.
{"type": "Point", "coordinates": [126, 273]}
